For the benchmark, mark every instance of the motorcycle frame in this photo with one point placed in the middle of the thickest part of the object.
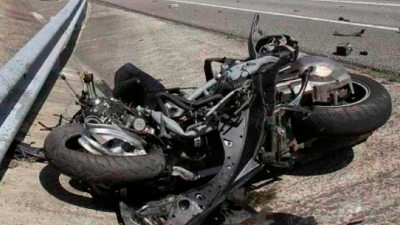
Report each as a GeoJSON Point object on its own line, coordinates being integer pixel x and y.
{"type": "Point", "coordinates": [242, 140]}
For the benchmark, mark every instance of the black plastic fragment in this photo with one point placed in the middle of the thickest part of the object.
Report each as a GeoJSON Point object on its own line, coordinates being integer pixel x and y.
{"type": "Point", "coordinates": [344, 49]}
{"type": "Point", "coordinates": [343, 19]}
{"type": "Point", "coordinates": [47, 128]}
{"type": "Point", "coordinates": [363, 52]}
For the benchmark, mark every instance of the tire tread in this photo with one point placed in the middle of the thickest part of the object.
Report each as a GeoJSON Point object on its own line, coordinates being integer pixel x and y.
{"type": "Point", "coordinates": [112, 170]}
{"type": "Point", "coordinates": [358, 119]}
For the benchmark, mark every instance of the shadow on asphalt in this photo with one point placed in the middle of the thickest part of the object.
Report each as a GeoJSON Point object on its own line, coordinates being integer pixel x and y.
{"type": "Point", "coordinates": [247, 216]}
{"type": "Point", "coordinates": [312, 162]}
{"type": "Point", "coordinates": [327, 155]}
{"type": "Point", "coordinates": [4, 164]}
{"type": "Point", "coordinates": [328, 163]}
{"type": "Point", "coordinates": [50, 180]}
{"type": "Point", "coordinates": [280, 219]}
{"type": "Point", "coordinates": [289, 219]}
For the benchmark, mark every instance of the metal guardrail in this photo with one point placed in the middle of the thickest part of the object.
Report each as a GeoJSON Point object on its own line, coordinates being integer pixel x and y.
{"type": "Point", "coordinates": [22, 78]}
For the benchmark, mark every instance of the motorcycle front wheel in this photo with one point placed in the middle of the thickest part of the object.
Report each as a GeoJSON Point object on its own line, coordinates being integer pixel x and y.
{"type": "Point", "coordinates": [64, 152]}
{"type": "Point", "coordinates": [363, 112]}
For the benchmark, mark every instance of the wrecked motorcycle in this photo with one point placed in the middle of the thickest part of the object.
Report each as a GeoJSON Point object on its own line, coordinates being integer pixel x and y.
{"type": "Point", "coordinates": [176, 156]}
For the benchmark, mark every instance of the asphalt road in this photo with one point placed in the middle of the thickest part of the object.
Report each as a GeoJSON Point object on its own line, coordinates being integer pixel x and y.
{"type": "Point", "coordinates": [312, 22]}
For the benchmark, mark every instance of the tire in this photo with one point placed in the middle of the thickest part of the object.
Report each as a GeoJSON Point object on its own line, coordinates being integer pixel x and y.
{"type": "Point", "coordinates": [133, 86]}
{"type": "Point", "coordinates": [61, 150]}
{"type": "Point", "coordinates": [358, 118]}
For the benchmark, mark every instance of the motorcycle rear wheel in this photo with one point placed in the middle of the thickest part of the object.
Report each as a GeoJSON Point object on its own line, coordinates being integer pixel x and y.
{"type": "Point", "coordinates": [365, 112]}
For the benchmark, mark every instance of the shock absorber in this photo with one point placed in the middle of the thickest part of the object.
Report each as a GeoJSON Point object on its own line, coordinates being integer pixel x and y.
{"type": "Point", "coordinates": [89, 84]}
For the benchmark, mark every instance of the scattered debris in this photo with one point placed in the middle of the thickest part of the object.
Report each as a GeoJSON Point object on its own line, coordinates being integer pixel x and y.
{"type": "Point", "coordinates": [173, 6]}
{"type": "Point", "coordinates": [296, 10]}
{"type": "Point", "coordinates": [219, 11]}
{"type": "Point", "coordinates": [13, 163]}
{"type": "Point", "coordinates": [61, 117]}
{"type": "Point", "coordinates": [355, 222]}
{"type": "Point", "coordinates": [363, 52]}
{"type": "Point", "coordinates": [343, 19]}
{"type": "Point", "coordinates": [39, 17]}
{"type": "Point", "coordinates": [24, 151]}
{"type": "Point", "coordinates": [260, 32]}
{"type": "Point", "coordinates": [344, 49]}
{"type": "Point", "coordinates": [279, 218]}
{"type": "Point", "coordinates": [356, 34]}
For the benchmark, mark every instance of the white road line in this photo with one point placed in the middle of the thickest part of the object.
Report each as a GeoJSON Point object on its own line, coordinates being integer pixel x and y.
{"type": "Point", "coordinates": [287, 15]}
{"type": "Point", "coordinates": [359, 3]}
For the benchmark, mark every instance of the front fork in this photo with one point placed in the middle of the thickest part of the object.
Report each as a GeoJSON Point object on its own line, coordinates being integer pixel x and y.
{"type": "Point", "coordinates": [281, 145]}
